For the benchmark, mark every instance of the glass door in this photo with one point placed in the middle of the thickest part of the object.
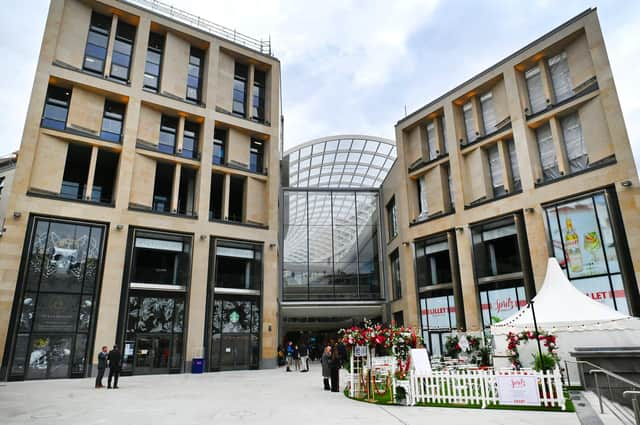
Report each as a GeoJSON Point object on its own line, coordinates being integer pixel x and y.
{"type": "Point", "coordinates": [144, 355]}
{"type": "Point", "coordinates": [235, 352]}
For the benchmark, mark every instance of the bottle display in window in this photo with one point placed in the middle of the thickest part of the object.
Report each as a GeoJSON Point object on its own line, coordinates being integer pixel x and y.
{"type": "Point", "coordinates": [572, 247]}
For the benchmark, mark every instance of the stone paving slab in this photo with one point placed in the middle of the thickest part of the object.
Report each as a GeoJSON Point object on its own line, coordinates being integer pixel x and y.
{"type": "Point", "coordinates": [244, 397]}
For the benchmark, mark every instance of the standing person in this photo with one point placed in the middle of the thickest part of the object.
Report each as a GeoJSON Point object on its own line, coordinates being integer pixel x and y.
{"type": "Point", "coordinates": [115, 362]}
{"type": "Point", "coordinates": [304, 357]}
{"type": "Point", "coordinates": [289, 356]}
{"type": "Point", "coordinates": [102, 365]}
{"type": "Point", "coordinates": [280, 356]}
{"type": "Point", "coordinates": [296, 356]}
{"type": "Point", "coordinates": [334, 368]}
{"type": "Point", "coordinates": [325, 360]}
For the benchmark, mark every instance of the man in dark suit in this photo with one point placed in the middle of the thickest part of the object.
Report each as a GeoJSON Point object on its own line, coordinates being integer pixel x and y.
{"type": "Point", "coordinates": [102, 365]}
{"type": "Point", "coordinates": [115, 362]}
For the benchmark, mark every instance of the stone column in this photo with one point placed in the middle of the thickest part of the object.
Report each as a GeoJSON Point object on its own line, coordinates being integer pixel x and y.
{"type": "Point", "coordinates": [92, 173]}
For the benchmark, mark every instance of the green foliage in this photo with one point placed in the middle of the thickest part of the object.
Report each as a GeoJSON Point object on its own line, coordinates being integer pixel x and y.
{"type": "Point", "coordinates": [546, 362]}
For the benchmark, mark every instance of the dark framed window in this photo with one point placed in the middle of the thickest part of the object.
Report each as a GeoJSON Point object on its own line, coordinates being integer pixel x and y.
{"type": "Point", "coordinates": [432, 141]}
{"type": "Point", "coordinates": [168, 134]}
{"type": "Point", "coordinates": [76, 171]}
{"type": "Point", "coordinates": [187, 191]}
{"type": "Point", "coordinates": [56, 319]}
{"type": "Point", "coordinates": [499, 301]}
{"type": "Point", "coordinates": [97, 42]}
{"type": "Point", "coordinates": [438, 319]}
{"type": "Point", "coordinates": [240, 89]}
{"type": "Point", "coordinates": [396, 280]}
{"type": "Point", "coordinates": [547, 153]}
{"type": "Point", "coordinates": [495, 248]}
{"type": "Point", "coordinates": [433, 265]}
{"type": "Point", "coordinates": [105, 177]}
{"type": "Point", "coordinates": [238, 265]}
{"type": "Point", "coordinates": [122, 51]}
{"type": "Point", "coordinates": [112, 120]}
{"type": "Point", "coordinates": [56, 108]}
{"type": "Point", "coordinates": [469, 122]}
{"type": "Point", "coordinates": [161, 258]}
{"type": "Point", "coordinates": [153, 63]}
{"type": "Point", "coordinates": [392, 218]}
{"type": "Point", "coordinates": [219, 146]}
{"type": "Point", "coordinates": [398, 318]}
{"type": "Point", "coordinates": [256, 157]}
{"type": "Point", "coordinates": [259, 87]}
{"type": "Point", "coordinates": [194, 75]}
{"type": "Point", "coordinates": [535, 90]}
{"type": "Point", "coordinates": [515, 168]}
{"type": "Point", "coordinates": [190, 140]}
{"type": "Point", "coordinates": [163, 187]}
{"type": "Point", "coordinates": [496, 171]}
{"type": "Point", "coordinates": [585, 245]}
{"type": "Point", "coordinates": [216, 196]}
{"type": "Point", "coordinates": [237, 189]}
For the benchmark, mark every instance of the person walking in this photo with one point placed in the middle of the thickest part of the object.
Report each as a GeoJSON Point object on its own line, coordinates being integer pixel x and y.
{"type": "Point", "coordinates": [289, 356]}
{"type": "Point", "coordinates": [304, 357]}
{"type": "Point", "coordinates": [102, 365]}
{"type": "Point", "coordinates": [325, 360]}
{"type": "Point", "coordinates": [115, 363]}
{"type": "Point", "coordinates": [296, 356]}
{"type": "Point", "coordinates": [334, 369]}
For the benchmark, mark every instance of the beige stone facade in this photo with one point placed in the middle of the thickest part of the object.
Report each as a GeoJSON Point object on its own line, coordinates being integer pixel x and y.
{"type": "Point", "coordinates": [468, 135]}
{"type": "Point", "coordinates": [40, 172]}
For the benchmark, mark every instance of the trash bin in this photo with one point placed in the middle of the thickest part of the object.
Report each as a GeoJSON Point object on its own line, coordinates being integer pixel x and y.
{"type": "Point", "coordinates": [197, 365]}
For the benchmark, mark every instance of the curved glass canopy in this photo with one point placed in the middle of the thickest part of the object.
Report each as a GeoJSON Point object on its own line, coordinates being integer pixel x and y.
{"type": "Point", "coordinates": [341, 162]}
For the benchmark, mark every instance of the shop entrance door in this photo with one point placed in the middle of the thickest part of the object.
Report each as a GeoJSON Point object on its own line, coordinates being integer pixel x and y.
{"type": "Point", "coordinates": [234, 352]}
{"type": "Point", "coordinates": [152, 354]}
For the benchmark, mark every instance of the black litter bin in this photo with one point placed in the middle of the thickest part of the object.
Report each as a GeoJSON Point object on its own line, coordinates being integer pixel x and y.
{"type": "Point", "coordinates": [197, 365]}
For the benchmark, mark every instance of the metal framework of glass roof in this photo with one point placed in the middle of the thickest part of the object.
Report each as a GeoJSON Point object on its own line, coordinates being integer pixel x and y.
{"type": "Point", "coordinates": [345, 161]}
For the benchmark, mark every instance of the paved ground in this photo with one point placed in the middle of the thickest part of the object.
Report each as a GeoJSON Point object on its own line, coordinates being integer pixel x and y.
{"type": "Point", "coordinates": [246, 397]}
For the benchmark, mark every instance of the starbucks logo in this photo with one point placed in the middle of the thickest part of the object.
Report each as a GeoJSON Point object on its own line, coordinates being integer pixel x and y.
{"type": "Point", "coordinates": [234, 317]}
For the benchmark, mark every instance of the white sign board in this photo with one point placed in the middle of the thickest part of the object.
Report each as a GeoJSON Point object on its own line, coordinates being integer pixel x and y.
{"type": "Point", "coordinates": [420, 361]}
{"type": "Point", "coordinates": [519, 390]}
{"type": "Point", "coordinates": [464, 343]}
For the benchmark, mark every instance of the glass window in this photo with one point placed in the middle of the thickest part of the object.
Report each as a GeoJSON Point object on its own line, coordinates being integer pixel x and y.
{"type": "Point", "coordinates": [259, 86]}
{"type": "Point", "coordinates": [56, 108]}
{"type": "Point", "coordinates": [396, 280]}
{"type": "Point", "coordinates": [122, 51]}
{"type": "Point", "coordinates": [560, 77]}
{"type": "Point", "coordinates": [495, 169]}
{"type": "Point", "coordinates": [422, 196]}
{"type": "Point", "coordinates": [535, 90]}
{"type": "Point", "coordinates": [469, 122]}
{"type": "Point", "coordinates": [219, 146]}
{"type": "Point", "coordinates": [104, 178]}
{"type": "Point", "coordinates": [438, 320]}
{"type": "Point", "coordinates": [392, 219]}
{"type": "Point", "coordinates": [97, 41]}
{"type": "Point", "coordinates": [584, 243]}
{"type": "Point", "coordinates": [256, 157]}
{"type": "Point", "coordinates": [513, 163]}
{"type": "Point", "coordinates": [574, 142]}
{"type": "Point", "coordinates": [450, 188]}
{"type": "Point", "coordinates": [168, 132]}
{"type": "Point", "coordinates": [238, 265]}
{"type": "Point", "coordinates": [190, 140]}
{"type": "Point", "coordinates": [153, 61]}
{"type": "Point", "coordinates": [498, 303]}
{"type": "Point", "coordinates": [240, 88]}
{"type": "Point", "coordinates": [57, 311]}
{"type": "Point", "coordinates": [488, 113]}
{"type": "Point", "coordinates": [432, 143]}
{"type": "Point", "coordinates": [495, 248]}
{"type": "Point", "coordinates": [194, 74]}
{"type": "Point", "coordinates": [547, 151]}
{"type": "Point", "coordinates": [161, 258]}
{"type": "Point", "coordinates": [112, 120]}
{"type": "Point", "coordinates": [443, 128]}
{"type": "Point", "coordinates": [433, 266]}
{"type": "Point", "coordinates": [163, 187]}
{"type": "Point", "coordinates": [76, 171]}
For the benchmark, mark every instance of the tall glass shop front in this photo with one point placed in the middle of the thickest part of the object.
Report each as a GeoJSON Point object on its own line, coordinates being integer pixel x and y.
{"type": "Point", "coordinates": [55, 322]}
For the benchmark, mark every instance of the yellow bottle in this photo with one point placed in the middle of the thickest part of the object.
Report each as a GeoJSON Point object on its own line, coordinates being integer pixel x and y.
{"type": "Point", "coordinates": [572, 248]}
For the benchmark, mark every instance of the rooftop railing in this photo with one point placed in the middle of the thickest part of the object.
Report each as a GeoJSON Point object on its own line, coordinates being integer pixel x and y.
{"type": "Point", "coordinates": [262, 46]}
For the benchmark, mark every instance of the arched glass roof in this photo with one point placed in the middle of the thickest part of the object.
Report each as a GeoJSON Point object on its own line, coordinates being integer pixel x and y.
{"type": "Point", "coordinates": [341, 162]}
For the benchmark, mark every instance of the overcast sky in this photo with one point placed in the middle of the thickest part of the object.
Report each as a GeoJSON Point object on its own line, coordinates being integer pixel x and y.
{"type": "Point", "coordinates": [353, 66]}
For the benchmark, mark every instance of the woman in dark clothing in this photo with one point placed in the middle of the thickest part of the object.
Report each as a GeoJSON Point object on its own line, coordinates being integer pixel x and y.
{"type": "Point", "coordinates": [326, 366]}
{"type": "Point", "coordinates": [334, 366]}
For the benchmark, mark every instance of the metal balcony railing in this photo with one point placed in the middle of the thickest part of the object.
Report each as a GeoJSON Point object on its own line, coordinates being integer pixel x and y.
{"type": "Point", "coordinates": [262, 46]}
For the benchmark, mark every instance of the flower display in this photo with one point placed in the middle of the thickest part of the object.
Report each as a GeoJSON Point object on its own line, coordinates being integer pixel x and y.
{"type": "Point", "coordinates": [394, 340]}
{"type": "Point", "coordinates": [547, 339]}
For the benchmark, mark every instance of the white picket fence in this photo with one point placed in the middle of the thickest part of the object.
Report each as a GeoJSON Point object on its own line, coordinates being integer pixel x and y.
{"type": "Point", "coordinates": [480, 387]}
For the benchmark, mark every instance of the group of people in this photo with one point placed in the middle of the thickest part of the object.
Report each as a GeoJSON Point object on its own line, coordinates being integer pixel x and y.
{"type": "Point", "coordinates": [113, 359]}
{"type": "Point", "coordinates": [295, 356]}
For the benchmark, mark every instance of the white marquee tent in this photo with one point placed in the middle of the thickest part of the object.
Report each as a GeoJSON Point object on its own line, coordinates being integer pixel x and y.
{"type": "Point", "coordinates": [576, 320]}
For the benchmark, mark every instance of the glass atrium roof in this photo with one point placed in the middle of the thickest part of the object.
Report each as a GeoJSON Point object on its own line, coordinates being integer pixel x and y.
{"type": "Point", "coordinates": [345, 161]}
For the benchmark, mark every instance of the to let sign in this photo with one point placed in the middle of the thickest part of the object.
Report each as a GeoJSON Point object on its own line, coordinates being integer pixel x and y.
{"type": "Point", "coordinates": [519, 390]}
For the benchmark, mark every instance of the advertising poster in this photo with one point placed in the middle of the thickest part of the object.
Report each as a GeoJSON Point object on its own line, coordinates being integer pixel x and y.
{"type": "Point", "coordinates": [518, 390]}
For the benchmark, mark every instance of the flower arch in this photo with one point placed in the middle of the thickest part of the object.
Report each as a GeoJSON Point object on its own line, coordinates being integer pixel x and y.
{"type": "Point", "coordinates": [514, 339]}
